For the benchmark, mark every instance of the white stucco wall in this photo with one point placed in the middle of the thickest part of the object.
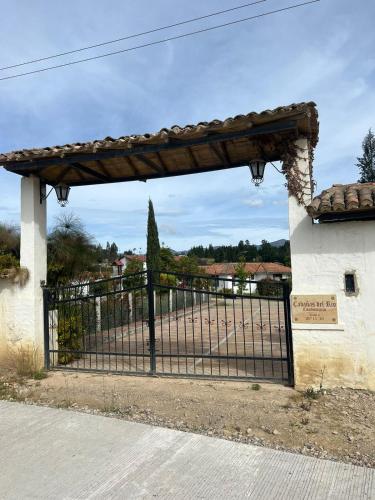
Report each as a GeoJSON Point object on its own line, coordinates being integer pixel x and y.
{"type": "Point", "coordinates": [21, 307]}
{"type": "Point", "coordinates": [342, 354]}
{"type": "Point", "coordinates": [322, 253]}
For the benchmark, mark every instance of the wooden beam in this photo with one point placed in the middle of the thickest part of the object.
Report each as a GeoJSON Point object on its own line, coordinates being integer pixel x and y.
{"type": "Point", "coordinates": [157, 175]}
{"type": "Point", "coordinates": [162, 162]}
{"type": "Point", "coordinates": [90, 171]}
{"type": "Point", "coordinates": [103, 168]}
{"type": "Point", "coordinates": [218, 150]}
{"type": "Point", "coordinates": [150, 163]}
{"type": "Point", "coordinates": [225, 152]}
{"type": "Point", "coordinates": [133, 167]}
{"type": "Point", "coordinates": [192, 157]}
{"type": "Point", "coordinates": [63, 174]}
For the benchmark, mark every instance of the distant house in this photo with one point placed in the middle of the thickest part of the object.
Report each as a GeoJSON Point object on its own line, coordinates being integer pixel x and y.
{"type": "Point", "coordinates": [119, 265]}
{"type": "Point", "coordinates": [257, 271]}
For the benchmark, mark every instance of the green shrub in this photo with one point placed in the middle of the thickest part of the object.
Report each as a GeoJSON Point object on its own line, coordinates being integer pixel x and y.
{"type": "Point", "coordinates": [69, 337]}
{"type": "Point", "coordinates": [168, 280]}
{"type": "Point", "coordinates": [8, 261]}
{"type": "Point", "coordinates": [40, 374]}
{"type": "Point", "coordinates": [269, 288]}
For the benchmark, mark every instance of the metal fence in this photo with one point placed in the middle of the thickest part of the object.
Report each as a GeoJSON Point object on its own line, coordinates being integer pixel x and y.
{"type": "Point", "coordinates": [171, 324]}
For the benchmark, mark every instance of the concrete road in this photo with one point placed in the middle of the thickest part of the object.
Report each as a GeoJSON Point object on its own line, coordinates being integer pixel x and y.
{"type": "Point", "coordinates": [58, 454]}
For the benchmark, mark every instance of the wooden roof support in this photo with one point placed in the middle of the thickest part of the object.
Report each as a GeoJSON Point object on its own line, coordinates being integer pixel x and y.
{"type": "Point", "coordinates": [162, 162]}
{"type": "Point", "coordinates": [217, 148]}
{"type": "Point", "coordinates": [103, 168]}
{"type": "Point", "coordinates": [192, 158]}
{"type": "Point", "coordinates": [150, 163]}
{"type": "Point", "coordinates": [90, 171]}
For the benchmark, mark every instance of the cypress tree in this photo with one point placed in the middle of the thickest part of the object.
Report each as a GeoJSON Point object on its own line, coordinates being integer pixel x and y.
{"type": "Point", "coordinates": [366, 163]}
{"type": "Point", "coordinates": [153, 245]}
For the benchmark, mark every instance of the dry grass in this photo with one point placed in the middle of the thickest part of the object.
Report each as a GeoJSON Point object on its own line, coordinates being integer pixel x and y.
{"type": "Point", "coordinates": [25, 362]}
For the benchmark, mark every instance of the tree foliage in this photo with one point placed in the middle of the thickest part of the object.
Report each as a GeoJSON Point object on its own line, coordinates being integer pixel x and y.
{"type": "Point", "coordinates": [241, 274]}
{"type": "Point", "coordinates": [71, 252]}
{"type": "Point", "coordinates": [366, 163]}
{"type": "Point", "coordinates": [153, 245]}
{"type": "Point", "coordinates": [251, 253]}
{"type": "Point", "coordinates": [9, 240]}
{"type": "Point", "coordinates": [134, 266]}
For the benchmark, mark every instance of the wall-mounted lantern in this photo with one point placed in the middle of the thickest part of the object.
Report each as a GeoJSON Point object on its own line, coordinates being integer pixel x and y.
{"type": "Point", "coordinates": [257, 167]}
{"type": "Point", "coordinates": [62, 193]}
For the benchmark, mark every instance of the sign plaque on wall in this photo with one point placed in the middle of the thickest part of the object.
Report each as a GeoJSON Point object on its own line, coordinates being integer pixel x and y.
{"type": "Point", "coordinates": [314, 309]}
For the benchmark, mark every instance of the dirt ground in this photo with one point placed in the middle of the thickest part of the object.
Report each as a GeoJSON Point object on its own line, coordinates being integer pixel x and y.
{"type": "Point", "coordinates": [337, 424]}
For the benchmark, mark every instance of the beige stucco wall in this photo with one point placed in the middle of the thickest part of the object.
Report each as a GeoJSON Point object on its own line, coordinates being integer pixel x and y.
{"type": "Point", "coordinates": [21, 307]}
{"type": "Point", "coordinates": [342, 354]}
{"type": "Point", "coordinates": [322, 253]}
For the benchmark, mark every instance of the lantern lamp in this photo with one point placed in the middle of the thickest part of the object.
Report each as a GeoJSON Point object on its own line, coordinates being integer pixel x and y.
{"type": "Point", "coordinates": [62, 193]}
{"type": "Point", "coordinates": [257, 167]}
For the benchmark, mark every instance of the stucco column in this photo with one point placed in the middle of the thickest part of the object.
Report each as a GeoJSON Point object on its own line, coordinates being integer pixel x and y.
{"type": "Point", "coordinates": [297, 213]}
{"type": "Point", "coordinates": [300, 233]}
{"type": "Point", "coordinates": [34, 258]}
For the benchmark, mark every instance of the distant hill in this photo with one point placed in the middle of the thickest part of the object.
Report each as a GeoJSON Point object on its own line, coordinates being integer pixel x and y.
{"type": "Point", "coordinates": [279, 243]}
{"type": "Point", "coordinates": [276, 244]}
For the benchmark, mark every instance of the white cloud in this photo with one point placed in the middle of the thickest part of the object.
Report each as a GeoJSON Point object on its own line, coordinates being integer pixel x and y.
{"type": "Point", "coordinates": [254, 202]}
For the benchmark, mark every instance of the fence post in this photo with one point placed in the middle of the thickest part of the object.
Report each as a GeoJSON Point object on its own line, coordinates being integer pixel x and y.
{"type": "Point", "coordinates": [288, 333]}
{"type": "Point", "coordinates": [130, 306]}
{"type": "Point", "coordinates": [98, 314]}
{"type": "Point", "coordinates": [46, 328]}
{"type": "Point", "coordinates": [151, 320]}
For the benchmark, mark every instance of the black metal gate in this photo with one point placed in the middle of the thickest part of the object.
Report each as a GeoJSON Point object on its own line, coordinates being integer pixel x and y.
{"type": "Point", "coordinates": [171, 324]}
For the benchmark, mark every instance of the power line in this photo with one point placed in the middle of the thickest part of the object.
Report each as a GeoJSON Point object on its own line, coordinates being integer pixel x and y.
{"type": "Point", "coordinates": [158, 42]}
{"type": "Point", "coordinates": [136, 35]}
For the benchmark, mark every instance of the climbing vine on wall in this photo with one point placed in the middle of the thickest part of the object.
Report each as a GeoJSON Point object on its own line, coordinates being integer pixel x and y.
{"type": "Point", "coordinates": [298, 183]}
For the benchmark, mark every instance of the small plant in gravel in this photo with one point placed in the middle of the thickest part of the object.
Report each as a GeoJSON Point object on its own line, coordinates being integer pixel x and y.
{"type": "Point", "coordinates": [306, 405]}
{"type": "Point", "coordinates": [311, 393]}
{"type": "Point", "coordinates": [255, 387]}
{"type": "Point", "coordinates": [40, 375]}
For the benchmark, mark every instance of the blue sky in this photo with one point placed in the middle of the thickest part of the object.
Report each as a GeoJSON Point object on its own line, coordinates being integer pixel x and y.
{"type": "Point", "coordinates": [323, 52]}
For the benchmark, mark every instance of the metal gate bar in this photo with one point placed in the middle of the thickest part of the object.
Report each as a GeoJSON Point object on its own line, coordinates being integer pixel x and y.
{"type": "Point", "coordinates": [171, 324]}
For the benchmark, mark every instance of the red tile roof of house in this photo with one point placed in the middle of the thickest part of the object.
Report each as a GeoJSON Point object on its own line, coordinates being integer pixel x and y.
{"type": "Point", "coordinates": [228, 268]}
{"type": "Point", "coordinates": [343, 198]}
{"type": "Point", "coordinates": [141, 258]}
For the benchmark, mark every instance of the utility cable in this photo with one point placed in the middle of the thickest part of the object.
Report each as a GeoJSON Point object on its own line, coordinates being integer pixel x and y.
{"type": "Point", "coordinates": [158, 42]}
{"type": "Point", "coordinates": [136, 35]}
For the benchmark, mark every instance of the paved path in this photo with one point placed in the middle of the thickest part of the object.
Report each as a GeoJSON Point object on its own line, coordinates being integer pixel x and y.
{"type": "Point", "coordinates": [58, 454]}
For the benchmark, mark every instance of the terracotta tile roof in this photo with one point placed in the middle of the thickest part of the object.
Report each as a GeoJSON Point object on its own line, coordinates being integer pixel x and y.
{"type": "Point", "coordinates": [117, 262]}
{"type": "Point", "coordinates": [140, 258]}
{"type": "Point", "coordinates": [228, 268]}
{"type": "Point", "coordinates": [178, 150]}
{"type": "Point", "coordinates": [182, 132]}
{"type": "Point", "coordinates": [343, 199]}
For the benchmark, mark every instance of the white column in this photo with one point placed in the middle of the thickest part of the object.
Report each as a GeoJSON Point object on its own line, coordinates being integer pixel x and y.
{"type": "Point", "coordinates": [301, 244]}
{"type": "Point", "coordinates": [34, 258]}
{"type": "Point", "coordinates": [300, 224]}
